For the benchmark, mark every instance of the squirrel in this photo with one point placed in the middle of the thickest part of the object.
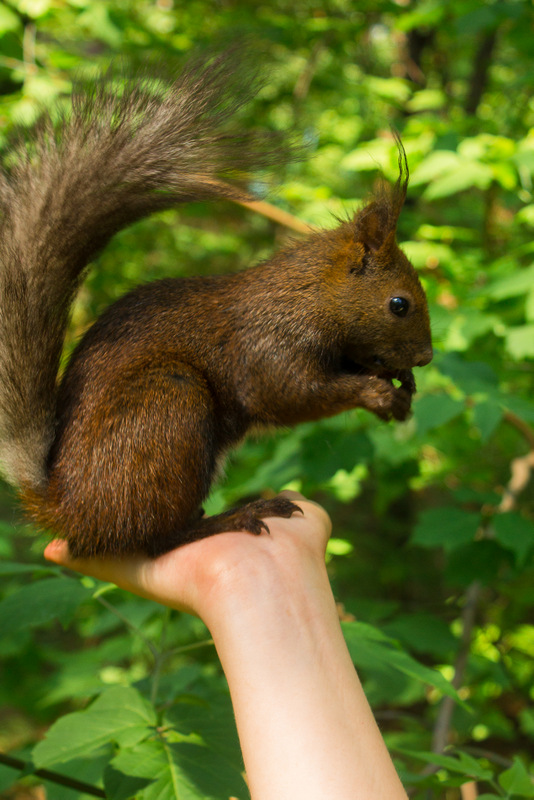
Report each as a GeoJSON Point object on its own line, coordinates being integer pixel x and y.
{"type": "Point", "coordinates": [118, 453]}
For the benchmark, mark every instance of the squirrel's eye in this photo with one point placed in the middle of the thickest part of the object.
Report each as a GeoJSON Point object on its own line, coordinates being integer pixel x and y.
{"type": "Point", "coordinates": [399, 306]}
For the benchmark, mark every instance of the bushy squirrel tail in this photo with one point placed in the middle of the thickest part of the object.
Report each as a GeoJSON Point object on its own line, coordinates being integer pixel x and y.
{"type": "Point", "coordinates": [129, 146]}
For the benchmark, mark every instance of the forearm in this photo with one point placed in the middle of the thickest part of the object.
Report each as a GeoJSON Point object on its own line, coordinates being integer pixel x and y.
{"type": "Point", "coordinates": [305, 726]}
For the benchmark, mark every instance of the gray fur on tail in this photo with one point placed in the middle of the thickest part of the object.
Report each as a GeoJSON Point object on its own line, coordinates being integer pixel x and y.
{"type": "Point", "coordinates": [129, 146]}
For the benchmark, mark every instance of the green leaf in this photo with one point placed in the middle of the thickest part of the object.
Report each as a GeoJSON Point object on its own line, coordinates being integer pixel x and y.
{"type": "Point", "coordinates": [34, 8]}
{"type": "Point", "coordinates": [425, 15]}
{"type": "Point", "coordinates": [422, 633]}
{"type": "Point", "coordinates": [526, 721]}
{"type": "Point", "coordinates": [427, 100]}
{"type": "Point", "coordinates": [210, 720]}
{"type": "Point", "coordinates": [370, 649]}
{"type": "Point", "coordinates": [448, 527]}
{"type": "Point", "coordinates": [517, 780]}
{"type": "Point", "coordinates": [470, 376]}
{"type": "Point", "coordinates": [391, 89]}
{"type": "Point", "coordinates": [486, 417]}
{"type": "Point", "coordinates": [519, 405]}
{"type": "Point", "coordinates": [339, 547]}
{"type": "Point", "coordinates": [515, 533]}
{"type": "Point", "coordinates": [97, 20]}
{"type": "Point", "coordinates": [368, 156]}
{"type": "Point", "coordinates": [180, 771]}
{"type": "Point", "coordinates": [283, 466]}
{"type": "Point", "coordinates": [526, 214]}
{"type": "Point", "coordinates": [520, 342]}
{"type": "Point", "coordinates": [423, 253]}
{"type": "Point", "coordinates": [478, 19]}
{"type": "Point", "coordinates": [42, 601]}
{"type": "Point", "coordinates": [516, 284]}
{"type": "Point", "coordinates": [8, 20]}
{"type": "Point", "coordinates": [524, 159]}
{"type": "Point", "coordinates": [489, 796]}
{"type": "Point", "coordinates": [466, 175]}
{"type": "Point", "coordinates": [435, 410]}
{"type": "Point", "coordinates": [325, 452]}
{"type": "Point", "coordinates": [461, 762]}
{"type": "Point", "coordinates": [468, 325]}
{"type": "Point", "coordinates": [476, 561]}
{"type": "Point", "coordinates": [8, 776]}
{"type": "Point", "coordinates": [119, 715]}
{"type": "Point", "coordinates": [15, 568]}
{"type": "Point", "coordinates": [433, 166]}
{"type": "Point", "coordinates": [119, 786]}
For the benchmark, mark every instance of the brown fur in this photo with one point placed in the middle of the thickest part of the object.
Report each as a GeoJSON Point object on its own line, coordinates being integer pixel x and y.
{"type": "Point", "coordinates": [176, 372]}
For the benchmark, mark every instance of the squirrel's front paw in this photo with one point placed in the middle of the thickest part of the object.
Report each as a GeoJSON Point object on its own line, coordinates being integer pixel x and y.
{"type": "Point", "coordinates": [388, 401]}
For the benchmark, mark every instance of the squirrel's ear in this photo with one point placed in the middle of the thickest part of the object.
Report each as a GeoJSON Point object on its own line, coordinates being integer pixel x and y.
{"type": "Point", "coordinates": [378, 221]}
{"type": "Point", "coordinates": [373, 226]}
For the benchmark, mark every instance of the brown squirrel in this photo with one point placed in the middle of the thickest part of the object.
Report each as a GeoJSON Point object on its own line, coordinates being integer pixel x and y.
{"type": "Point", "coordinates": [119, 454]}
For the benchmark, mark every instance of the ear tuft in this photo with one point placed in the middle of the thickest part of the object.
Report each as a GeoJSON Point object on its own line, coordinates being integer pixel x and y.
{"type": "Point", "coordinates": [378, 220]}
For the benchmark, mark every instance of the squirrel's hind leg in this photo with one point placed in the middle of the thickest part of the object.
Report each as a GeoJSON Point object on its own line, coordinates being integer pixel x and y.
{"type": "Point", "coordinates": [131, 469]}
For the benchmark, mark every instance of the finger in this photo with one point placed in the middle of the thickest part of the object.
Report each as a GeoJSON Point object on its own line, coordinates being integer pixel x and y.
{"type": "Point", "coordinates": [104, 569]}
{"type": "Point", "coordinates": [58, 552]}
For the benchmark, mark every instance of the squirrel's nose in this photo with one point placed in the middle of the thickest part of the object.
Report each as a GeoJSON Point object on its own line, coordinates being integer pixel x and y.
{"type": "Point", "coordinates": [426, 357]}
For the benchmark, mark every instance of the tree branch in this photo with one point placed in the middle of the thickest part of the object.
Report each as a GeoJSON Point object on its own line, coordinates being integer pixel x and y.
{"type": "Point", "coordinates": [479, 76]}
{"type": "Point", "coordinates": [442, 726]}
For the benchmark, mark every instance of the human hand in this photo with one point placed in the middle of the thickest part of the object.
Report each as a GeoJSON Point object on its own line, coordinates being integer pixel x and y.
{"type": "Point", "coordinates": [198, 577]}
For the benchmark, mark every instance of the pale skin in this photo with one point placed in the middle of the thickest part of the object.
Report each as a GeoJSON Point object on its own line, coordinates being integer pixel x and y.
{"type": "Point", "coordinates": [305, 727]}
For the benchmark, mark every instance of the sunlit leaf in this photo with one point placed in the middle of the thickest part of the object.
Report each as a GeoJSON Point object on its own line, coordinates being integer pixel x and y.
{"type": "Point", "coordinates": [370, 650]}
{"type": "Point", "coordinates": [8, 20]}
{"type": "Point", "coordinates": [520, 342]}
{"type": "Point", "coordinates": [517, 283]}
{"type": "Point", "coordinates": [466, 175]}
{"type": "Point", "coordinates": [460, 762]}
{"type": "Point", "coordinates": [119, 715]}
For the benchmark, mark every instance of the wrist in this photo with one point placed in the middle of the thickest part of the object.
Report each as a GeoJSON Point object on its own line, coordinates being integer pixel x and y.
{"type": "Point", "coordinates": [271, 586]}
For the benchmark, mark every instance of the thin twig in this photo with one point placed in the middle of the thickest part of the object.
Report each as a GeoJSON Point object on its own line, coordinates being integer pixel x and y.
{"type": "Point", "coordinates": [153, 649]}
{"type": "Point", "coordinates": [160, 658]}
{"type": "Point", "coordinates": [187, 647]}
{"type": "Point", "coordinates": [48, 775]}
{"type": "Point", "coordinates": [28, 44]}
{"type": "Point", "coordinates": [276, 214]}
{"type": "Point", "coordinates": [523, 427]}
{"type": "Point", "coordinates": [246, 199]}
{"type": "Point", "coordinates": [303, 83]}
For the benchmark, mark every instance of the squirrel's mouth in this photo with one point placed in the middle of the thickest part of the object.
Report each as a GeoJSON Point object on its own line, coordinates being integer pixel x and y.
{"type": "Point", "coordinates": [380, 370]}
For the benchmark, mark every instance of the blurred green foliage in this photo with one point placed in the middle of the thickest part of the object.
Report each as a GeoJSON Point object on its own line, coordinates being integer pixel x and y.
{"type": "Point", "coordinates": [434, 518]}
